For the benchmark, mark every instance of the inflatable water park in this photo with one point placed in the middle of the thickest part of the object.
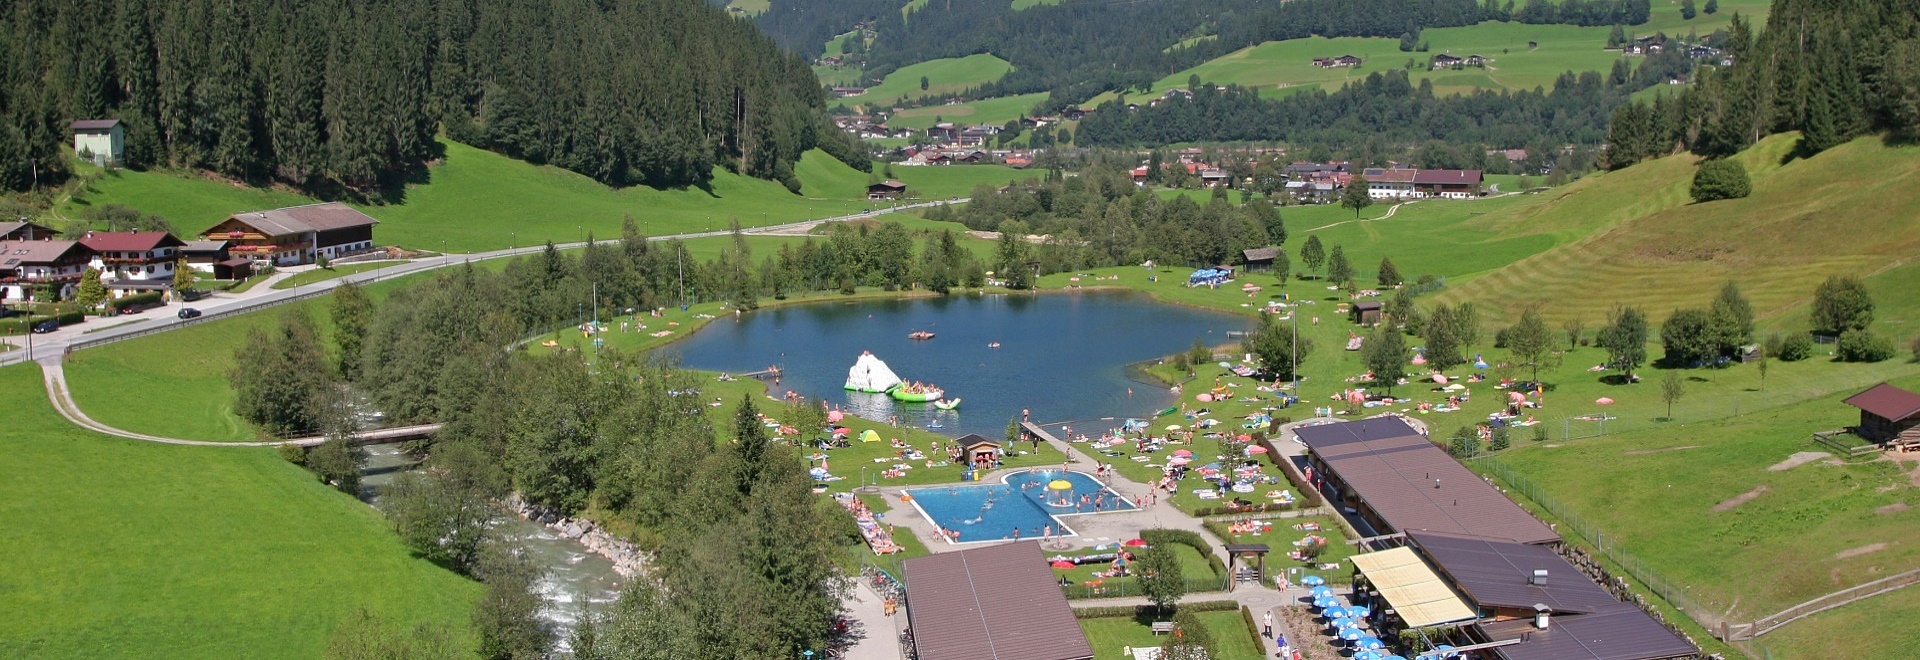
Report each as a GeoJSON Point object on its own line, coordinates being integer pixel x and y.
{"type": "Point", "coordinates": [871, 375]}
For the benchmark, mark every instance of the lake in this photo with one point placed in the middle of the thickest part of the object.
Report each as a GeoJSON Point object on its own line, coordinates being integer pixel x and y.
{"type": "Point", "coordinates": [1064, 356]}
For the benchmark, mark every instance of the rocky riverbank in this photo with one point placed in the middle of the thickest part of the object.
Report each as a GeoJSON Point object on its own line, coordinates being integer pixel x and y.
{"type": "Point", "coordinates": [628, 559]}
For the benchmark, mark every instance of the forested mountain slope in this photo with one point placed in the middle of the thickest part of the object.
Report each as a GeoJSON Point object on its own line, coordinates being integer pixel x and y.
{"type": "Point", "coordinates": [350, 93]}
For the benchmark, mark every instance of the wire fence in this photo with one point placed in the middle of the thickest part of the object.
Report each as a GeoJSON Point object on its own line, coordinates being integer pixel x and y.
{"type": "Point", "coordinates": [1606, 545]}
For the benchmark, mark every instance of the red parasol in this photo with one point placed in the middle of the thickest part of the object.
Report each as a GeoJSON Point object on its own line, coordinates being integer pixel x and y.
{"type": "Point", "coordinates": [1183, 453]}
{"type": "Point", "coordinates": [1137, 543]}
{"type": "Point", "coordinates": [1603, 401]}
{"type": "Point", "coordinates": [835, 417]}
{"type": "Point", "coordinates": [1063, 564]}
{"type": "Point", "coordinates": [1256, 449]}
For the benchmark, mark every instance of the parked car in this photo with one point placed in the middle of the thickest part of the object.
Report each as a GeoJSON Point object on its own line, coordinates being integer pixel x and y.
{"type": "Point", "coordinates": [189, 313]}
{"type": "Point", "coordinates": [191, 295]}
{"type": "Point", "coordinates": [46, 326]}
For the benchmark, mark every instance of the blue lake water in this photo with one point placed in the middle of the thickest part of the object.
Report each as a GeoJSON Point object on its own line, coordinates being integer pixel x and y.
{"type": "Point", "coordinates": [992, 512]}
{"type": "Point", "coordinates": [1062, 355]}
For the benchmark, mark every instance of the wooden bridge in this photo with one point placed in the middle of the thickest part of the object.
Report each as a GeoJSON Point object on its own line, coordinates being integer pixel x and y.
{"type": "Point", "coordinates": [374, 436]}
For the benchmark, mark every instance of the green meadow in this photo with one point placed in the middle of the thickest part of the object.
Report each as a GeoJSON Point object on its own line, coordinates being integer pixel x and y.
{"type": "Point", "coordinates": [944, 76]}
{"type": "Point", "coordinates": [120, 548]}
{"type": "Point", "coordinates": [996, 111]}
{"type": "Point", "coordinates": [1231, 638]}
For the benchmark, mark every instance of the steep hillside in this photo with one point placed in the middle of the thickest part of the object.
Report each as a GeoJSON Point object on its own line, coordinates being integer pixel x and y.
{"type": "Point", "coordinates": [1852, 210]}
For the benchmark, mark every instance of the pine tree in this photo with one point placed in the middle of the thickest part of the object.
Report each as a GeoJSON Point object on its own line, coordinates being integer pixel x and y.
{"type": "Point", "coordinates": [91, 292]}
{"type": "Point", "coordinates": [1312, 254]}
{"type": "Point", "coordinates": [1338, 270]}
{"type": "Point", "coordinates": [1686, 9]}
{"type": "Point", "coordinates": [1389, 276]}
{"type": "Point", "coordinates": [1712, 7]}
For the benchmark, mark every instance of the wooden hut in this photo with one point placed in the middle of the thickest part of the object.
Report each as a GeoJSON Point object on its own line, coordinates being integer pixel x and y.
{"type": "Point", "coordinates": [979, 450]}
{"type": "Point", "coordinates": [1888, 414]}
{"type": "Point", "coordinates": [1367, 313]}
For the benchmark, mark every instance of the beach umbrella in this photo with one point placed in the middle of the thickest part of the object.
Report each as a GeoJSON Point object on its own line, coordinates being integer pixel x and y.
{"type": "Point", "coordinates": [1370, 643]}
{"type": "Point", "coordinates": [1455, 387]}
{"type": "Point", "coordinates": [1356, 396]}
{"type": "Point", "coordinates": [1320, 590]}
{"type": "Point", "coordinates": [835, 417]}
{"type": "Point", "coordinates": [1352, 634]}
{"type": "Point", "coordinates": [1440, 378]}
{"type": "Point", "coordinates": [1059, 484]}
{"type": "Point", "coordinates": [1183, 453]}
{"type": "Point", "coordinates": [1393, 657]}
{"type": "Point", "coordinates": [1516, 397]}
{"type": "Point", "coordinates": [1174, 427]}
{"type": "Point", "coordinates": [1419, 359]}
{"type": "Point", "coordinates": [1179, 461]}
{"type": "Point", "coordinates": [1445, 649]}
{"type": "Point", "coordinates": [1136, 543]}
{"type": "Point", "coordinates": [1313, 581]}
{"type": "Point", "coordinates": [1324, 602]}
{"type": "Point", "coordinates": [1366, 654]}
{"type": "Point", "coordinates": [1358, 611]}
{"type": "Point", "coordinates": [1603, 401]}
{"type": "Point", "coordinates": [1063, 564]}
{"type": "Point", "coordinates": [1204, 397]}
{"type": "Point", "coordinates": [1210, 466]}
{"type": "Point", "coordinates": [1256, 449]}
{"type": "Point", "coordinates": [1226, 365]}
{"type": "Point", "coordinates": [1335, 612]}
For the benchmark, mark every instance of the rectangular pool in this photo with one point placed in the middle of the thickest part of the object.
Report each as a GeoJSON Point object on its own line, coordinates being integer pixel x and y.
{"type": "Point", "coordinates": [1023, 501]}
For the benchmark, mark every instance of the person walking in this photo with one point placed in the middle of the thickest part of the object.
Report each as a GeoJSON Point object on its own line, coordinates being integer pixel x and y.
{"type": "Point", "coordinates": [1266, 625]}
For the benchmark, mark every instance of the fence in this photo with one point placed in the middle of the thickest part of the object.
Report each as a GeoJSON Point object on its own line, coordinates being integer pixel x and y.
{"type": "Point", "coordinates": [1602, 543]}
{"type": "Point", "coordinates": [1774, 621]}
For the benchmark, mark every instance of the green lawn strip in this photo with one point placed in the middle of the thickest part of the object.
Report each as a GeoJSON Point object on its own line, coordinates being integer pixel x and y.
{"type": "Point", "coordinates": [1281, 540]}
{"type": "Point", "coordinates": [910, 544]}
{"type": "Point", "coordinates": [119, 548]}
{"type": "Point", "coordinates": [944, 76]}
{"type": "Point", "coordinates": [1231, 638]}
{"type": "Point", "coordinates": [1194, 568]}
{"type": "Point", "coordinates": [322, 274]}
{"type": "Point", "coordinates": [1889, 616]}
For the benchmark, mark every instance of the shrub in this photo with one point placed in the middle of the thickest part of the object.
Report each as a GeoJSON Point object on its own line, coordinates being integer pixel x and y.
{"type": "Point", "coordinates": [138, 299]}
{"type": "Point", "coordinates": [1863, 346]}
{"type": "Point", "coordinates": [1539, 433]}
{"type": "Point", "coordinates": [1501, 438]}
{"type": "Point", "coordinates": [1916, 348]}
{"type": "Point", "coordinates": [1719, 179]}
{"type": "Point", "coordinates": [1796, 347]}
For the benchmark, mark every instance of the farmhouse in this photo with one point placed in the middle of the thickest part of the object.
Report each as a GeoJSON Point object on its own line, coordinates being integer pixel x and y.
{"type": "Point", "coordinates": [26, 265]}
{"type": "Point", "coordinates": [888, 189]}
{"type": "Point", "coordinates": [1888, 414]}
{"type": "Point", "coordinates": [1450, 184]}
{"type": "Point", "coordinates": [25, 231]}
{"type": "Point", "coordinates": [101, 141]}
{"type": "Point", "coordinates": [1389, 183]}
{"type": "Point", "coordinates": [1395, 481]}
{"type": "Point", "coordinates": [844, 92]}
{"type": "Point", "coordinates": [1443, 61]}
{"type": "Point", "coordinates": [1329, 62]}
{"type": "Point", "coordinates": [296, 234]}
{"type": "Point", "coordinates": [999, 601]}
{"type": "Point", "coordinates": [133, 262]}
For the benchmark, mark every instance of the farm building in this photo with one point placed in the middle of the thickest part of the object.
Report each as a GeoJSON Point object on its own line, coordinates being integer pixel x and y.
{"type": "Point", "coordinates": [1259, 259]}
{"type": "Point", "coordinates": [888, 189]}
{"type": "Point", "coordinates": [296, 234]}
{"type": "Point", "coordinates": [1888, 414]}
{"type": "Point", "coordinates": [1368, 313]}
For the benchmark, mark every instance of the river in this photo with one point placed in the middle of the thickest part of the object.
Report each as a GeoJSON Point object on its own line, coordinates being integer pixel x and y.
{"type": "Point", "coordinates": [574, 580]}
{"type": "Point", "coordinates": [1064, 356]}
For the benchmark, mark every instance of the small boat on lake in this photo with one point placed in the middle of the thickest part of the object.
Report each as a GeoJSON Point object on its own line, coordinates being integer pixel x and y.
{"type": "Point", "coordinates": [921, 335]}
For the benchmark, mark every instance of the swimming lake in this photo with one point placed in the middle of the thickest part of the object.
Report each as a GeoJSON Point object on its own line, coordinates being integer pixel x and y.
{"type": "Point", "coordinates": [1024, 502]}
{"type": "Point", "coordinates": [1064, 356]}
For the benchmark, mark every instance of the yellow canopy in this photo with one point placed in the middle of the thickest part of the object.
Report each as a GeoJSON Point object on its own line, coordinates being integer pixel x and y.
{"type": "Point", "coordinates": [1419, 596]}
{"type": "Point", "coordinates": [1060, 484]}
{"type": "Point", "coordinates": [869, 436]}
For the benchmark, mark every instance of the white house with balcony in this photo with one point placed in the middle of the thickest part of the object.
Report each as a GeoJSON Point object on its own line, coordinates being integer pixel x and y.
{"type": "Point", "coordinates": [28, 266]}
{"type": "Point", "coordinates": [133, 262]}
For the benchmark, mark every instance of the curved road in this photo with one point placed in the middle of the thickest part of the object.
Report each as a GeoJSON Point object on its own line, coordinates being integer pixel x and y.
{"type": "Point", "coordinates": [51, 350]}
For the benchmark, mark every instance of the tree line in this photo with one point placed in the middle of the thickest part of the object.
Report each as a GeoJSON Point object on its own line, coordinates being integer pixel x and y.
{"type": "Point", "coordinates": [1831, 69]}
{"type": "Point", "coordinates": [336, 94]}
{"type": "Point", "coordinates": [1382, 107]}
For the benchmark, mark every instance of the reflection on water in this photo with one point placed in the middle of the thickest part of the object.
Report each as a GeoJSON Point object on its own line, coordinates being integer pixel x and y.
{"type": "Point", "coordinates": [575, 579]}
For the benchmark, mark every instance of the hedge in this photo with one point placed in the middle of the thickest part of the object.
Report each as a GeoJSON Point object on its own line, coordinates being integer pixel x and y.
{"type": "Point", "coordinates": [20, 324]}
{"type": "Point", "coordinates": [139, 299]}
{"type": "Point", "coordinates": [1149, 610]}
{"type": "Point", "coordinates": [1189, 539]}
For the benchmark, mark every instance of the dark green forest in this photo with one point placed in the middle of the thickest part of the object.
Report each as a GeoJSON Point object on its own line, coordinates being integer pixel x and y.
{"type": "Point", "coordinates": [1080, 48]}
{"type": "Point", "coordinates": [339, 94]}
{"type": "Point", "coordinates": [1832, 69]}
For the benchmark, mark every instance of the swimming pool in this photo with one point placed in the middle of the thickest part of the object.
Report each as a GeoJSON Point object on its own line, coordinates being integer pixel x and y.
{"type": "Point", "coordinates": [1022, 501]}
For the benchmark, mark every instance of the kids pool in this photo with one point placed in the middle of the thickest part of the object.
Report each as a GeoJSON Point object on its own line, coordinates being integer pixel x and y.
{"type": "Point", "coordinates": [1022, 502]}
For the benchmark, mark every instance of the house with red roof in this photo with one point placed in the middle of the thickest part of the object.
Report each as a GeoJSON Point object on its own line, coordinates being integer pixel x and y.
{"type": "Point", "coordinates": [133, 261]}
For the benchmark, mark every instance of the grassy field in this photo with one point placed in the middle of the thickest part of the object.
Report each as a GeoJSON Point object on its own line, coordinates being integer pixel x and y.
{"type": "Point", "coordinates": [189, 201]}
{"type": "Point", "coordinates": [750, 7]}
{"type": "Point", "coordinates": [995, 111]}
{"type": "Point", "coordinates": [1706, 503]}
{"type": "Point", "coordinates": [1282, 67]}
{"type": "Point", "coordinates": [1645, 244]}
{"type": "Point", "coordinates": [117, 548]}
{"type": "Point", "coordinates": [1231, 638]}
{"type": "Point", "coordinates": [944, 76]}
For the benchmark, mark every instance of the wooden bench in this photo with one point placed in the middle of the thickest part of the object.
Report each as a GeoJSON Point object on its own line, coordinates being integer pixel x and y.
{"type": "Point", "coordinates": [1161, 627]}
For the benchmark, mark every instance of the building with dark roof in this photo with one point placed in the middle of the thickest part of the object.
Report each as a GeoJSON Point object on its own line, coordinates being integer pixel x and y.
{"type": "Point", "coordinates": [888, 189]}
{"type": "Point", "coordinates": [100, 141]}
{"type": "Point", "coordinates": [133, 261]}
{"type": "Point", "coordinates": [1449, 184]}
{"type": "Point", "coordinates": [996, 602]}
{"type": "Point", "coordinates": [1259, 259]}
{"type": "Point", "coordinates": [1389, 475]}
{"type": "Point", "coordinates": [296, 234]}
{"type": "Point", "coordinates": [26, 231]}
{"type": "Point", "coordinates": [1887, 414]}
{"type": "Point", "coordinates": [1531, 594]}
{"type": "Point", "coordinates": [28, 265]}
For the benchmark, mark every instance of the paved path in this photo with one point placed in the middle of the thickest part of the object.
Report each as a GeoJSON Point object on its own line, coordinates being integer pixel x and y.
{"type": "Point", "coordinates": [879, 634]}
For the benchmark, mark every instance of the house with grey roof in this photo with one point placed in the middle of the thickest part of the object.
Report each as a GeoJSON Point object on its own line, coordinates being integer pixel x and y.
{"type": "Point", "coordinates": [296, 234]}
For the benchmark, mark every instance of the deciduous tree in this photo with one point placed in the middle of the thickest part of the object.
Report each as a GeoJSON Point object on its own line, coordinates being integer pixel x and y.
{"type": "Point", "coordinates": [1672, 388]}
{"type": "Point", "coordinates": [1840, 304]}
{"type": "Point", "coordinates": [1386, 355]}
{"type": "Point", "coordinates": [1356, 196]}
{"type": "Point", "coordinates": [1720, 178]}
{"type": "Point", "coordinates": [1625, 338]}
{"type": "Point", "coordinates": [1530, 340]}
{"type": "Point", "coordinates": [1158, 571]}
{"type": "Point", "coordinates": [1389, 276]}
{"type": "Point", "coordinates": [1339, 271]}
{"type": "Point", "coordinates": [1312, 254]}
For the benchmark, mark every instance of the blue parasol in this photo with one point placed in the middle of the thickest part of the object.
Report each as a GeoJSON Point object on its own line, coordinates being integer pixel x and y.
{"type": "Point", "coordinates": [1370, 643]}
{"type": "Point", "coordinates": [1312, 581]}
{"type": "Point", "coordinates": [1335, 612]}
{"type": "Point", "coordinates": [1366, 654]}
{"type": "Point", "coordinates": [1319, 591]}
{"type": "Point", "coordinates": [1324, 602]}
{"type": "Point", "coordinates": [1351, 634]}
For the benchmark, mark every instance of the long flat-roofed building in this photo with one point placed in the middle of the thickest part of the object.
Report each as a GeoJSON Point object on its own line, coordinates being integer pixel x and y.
{"type": "Point", "coordinates": [1396, 480]}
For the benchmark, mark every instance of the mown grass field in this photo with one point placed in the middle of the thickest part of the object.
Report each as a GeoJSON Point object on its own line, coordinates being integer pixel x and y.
{"type": "Point", "coordinates": [1645, 243]}
{"type": "Point", "coordinates": [1705, 503]}
{"type": "Point", "coordinates": [995, 111]}
{"type": "Point", "coordinates": [1231, 638]}
{"type": "Point", "coordinates": [478, 200]}
{"type": "Point", "coordinates": [944, 76]}
{"type": "Point", "coordinates": [118, 548]}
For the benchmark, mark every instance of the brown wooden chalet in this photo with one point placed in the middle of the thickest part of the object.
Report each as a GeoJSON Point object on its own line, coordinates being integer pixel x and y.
{"type": "Point", "coordinates": [1888, 414]}
{"type": "Point", "coordinates": [295, 235]}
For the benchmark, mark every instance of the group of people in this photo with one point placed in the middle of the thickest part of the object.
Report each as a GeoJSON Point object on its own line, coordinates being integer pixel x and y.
{"type": "Point", "coordinates": [917, 387]}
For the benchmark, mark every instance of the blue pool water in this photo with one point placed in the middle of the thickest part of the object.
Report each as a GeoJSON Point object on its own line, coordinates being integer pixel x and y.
{"type": "Point", "coordinates": [992, 512]}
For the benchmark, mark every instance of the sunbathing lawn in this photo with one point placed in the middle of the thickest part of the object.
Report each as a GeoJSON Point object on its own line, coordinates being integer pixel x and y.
{"type": "Point", "coordinates": [1231, 638]}
{"type": "Point", "coordinates": [1193, 567]}
{"type": "Point", "coordinates": [1282, 538]}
